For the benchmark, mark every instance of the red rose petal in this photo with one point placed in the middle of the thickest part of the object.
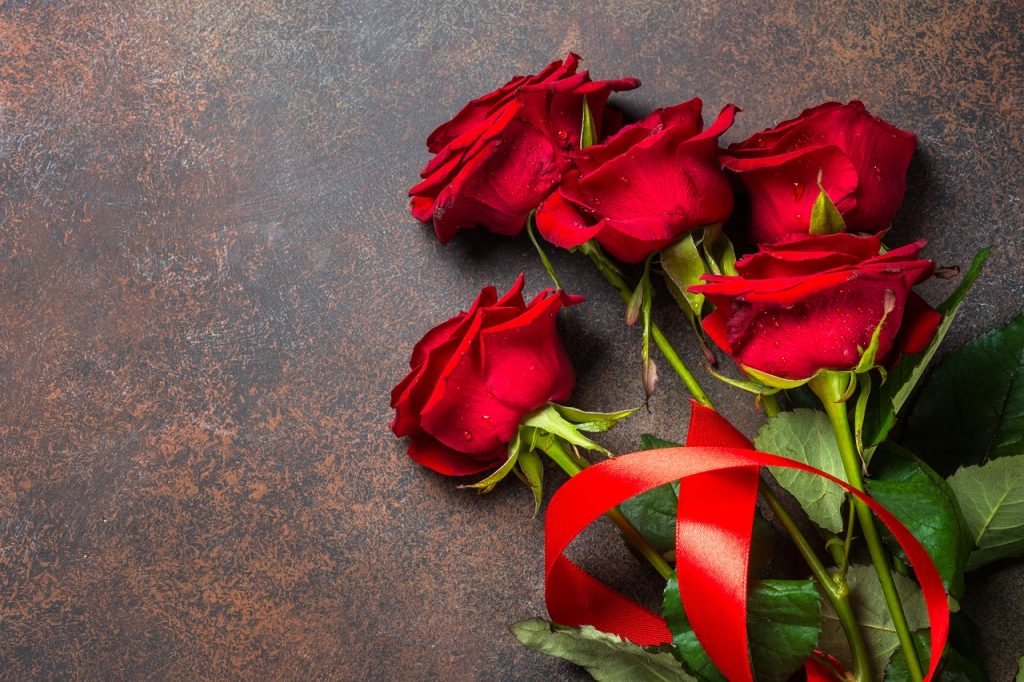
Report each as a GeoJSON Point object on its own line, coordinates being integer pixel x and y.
{"type": "Point", "coordinates": [430, 453]}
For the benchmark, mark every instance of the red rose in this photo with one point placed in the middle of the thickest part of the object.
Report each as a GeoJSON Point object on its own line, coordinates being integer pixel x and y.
{"type": "Point", "coordinates": [644, 187]}
{"type": "Point", "coordinates": [811, 304]}
{"type": "Point", "coordinates": [862, 159]}
{"type": "Point", "coordinates": [504, 152]}
{"type": "Point", "coordinates": [477, 375]}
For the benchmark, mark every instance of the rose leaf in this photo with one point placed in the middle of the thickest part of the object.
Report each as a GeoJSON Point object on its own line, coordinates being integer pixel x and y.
{"type": "Point", "coordinates": [783, 619]}
{"type": "Point", "coordinates": [971, 408]}
{"type": "Point", "coordinates": [992, 498]}
{"type": "Point", "coordinates": [806, 436]}
{"type": "Point", "coordinates": [901, 379]}
{"type": "Point", "coordinates": [874, 618]}
{"type": "Point", "coordinates": [606, 657]}
{"type": "Point", "coordinates": [924, 503]}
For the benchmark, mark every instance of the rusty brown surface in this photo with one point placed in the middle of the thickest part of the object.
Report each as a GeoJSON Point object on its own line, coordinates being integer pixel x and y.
{"type": "Point", "coordinates": [209, 282]}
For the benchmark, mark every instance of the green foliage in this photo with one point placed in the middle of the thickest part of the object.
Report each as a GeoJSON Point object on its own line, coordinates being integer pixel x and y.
{"type": "Point", "coordinates": [971, 408]}
{"type": "Point", "coordinates": [874, 617]}
{"type": "Point", "coordinates": [606, 657]}
{"type": "Point", "coordinates": [924, 503]}
{"type": "Point", "coordinates": [892, 395]}
{"type": "Point", "coordinates": [783, 619]}
{"type": "Point", "coordinates": [653, 513]}
{"type": "Point", "coordinates": [805, 435]}
{"type": "Point", "coordinates": [955, 668]}
{"type": "Point", "coordinates": [992, 499]}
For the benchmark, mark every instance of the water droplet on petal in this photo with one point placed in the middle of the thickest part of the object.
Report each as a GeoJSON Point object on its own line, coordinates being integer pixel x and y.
{"type": "Point", "coordinates": [466, 435]}
{"type": "Point", "coordinates": [798, 190]}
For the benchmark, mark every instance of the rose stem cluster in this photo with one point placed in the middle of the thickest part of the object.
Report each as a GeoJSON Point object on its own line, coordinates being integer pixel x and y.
{"type": "Point", "coordinates": [520, 154]}
{"type": "Point", "coordinates": [614, 277]}
{"type": "Point", "coordinates": [834, 585]}
{"type": "Point", "coordinates": [829, 389]}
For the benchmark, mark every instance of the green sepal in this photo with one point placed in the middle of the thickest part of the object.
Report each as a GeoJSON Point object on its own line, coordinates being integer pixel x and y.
{"type": "Point", "coordinates": [683, 266]}
{"type": "Point", "coordinates": [825, 217]}
{"type": "Point", "coordinates": [487, 485]}
{"type": "Point", "coordinates": [532, 470]}
{"type": "Point", "coordinates": [650, 370]}
{"type": "Point", "coordinates": [548, 420]}
{"type": "Point", "coordinates": [772, 381]}
{"type": "Point", "coordinates": [869, 355]}
{"type": "Point", "coordinates": [859, 410]}
{"type": "Point", "coordinates": [530, 223]}
{"type": "Point", "coordinates": [636, 301]}
{"type": "Point", "coordinates": [594, 422]}
{"type": "Point", "coordinates": [754, 387]}
{"type": "Point", "coordinates": [719, 253]}
{"type": "Point", "coordinates": [588, 132]}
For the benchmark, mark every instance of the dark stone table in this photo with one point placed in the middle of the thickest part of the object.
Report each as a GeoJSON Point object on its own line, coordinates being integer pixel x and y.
{"type": "Point", "coordinates": [209, 282]}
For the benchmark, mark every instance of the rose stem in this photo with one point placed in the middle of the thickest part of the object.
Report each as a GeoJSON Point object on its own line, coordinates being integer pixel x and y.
{"type": "Point", "coordinates": [614, 277]}
{"type": "Point", "coordinates": [828, 388]}
{"type": "Point", "coordinates": [836, 590]}
{"type": "Point", "coordinates": [572, 466]}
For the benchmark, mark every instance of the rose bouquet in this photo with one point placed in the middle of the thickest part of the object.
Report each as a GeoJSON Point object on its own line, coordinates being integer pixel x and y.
{"type": "Point", "coordinates": [892, 480]}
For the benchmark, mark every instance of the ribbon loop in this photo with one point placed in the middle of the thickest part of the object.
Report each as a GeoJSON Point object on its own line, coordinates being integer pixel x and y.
{"type": "Point", "coordinates": [718, 488]}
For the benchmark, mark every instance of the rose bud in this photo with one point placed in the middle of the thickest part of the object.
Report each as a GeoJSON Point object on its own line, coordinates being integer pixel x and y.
{"type": "Point", "coordinates": [641, 189]}
{"type": "Point", "coordinates": [504, 152]}
{"type": "Point", "coordinates": [477, 375]}
{"type": "Point", "coordinates": [862, 161]}
{"type": "Point", "coordinates": [811, 304]}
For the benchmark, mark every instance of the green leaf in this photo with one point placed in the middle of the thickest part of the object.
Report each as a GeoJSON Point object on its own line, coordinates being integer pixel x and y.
{"type": "Point", "coordinates": [683, 265]}
{"type": "Point", "coordinates": [606, 657]}
{"type": "Point", "coordinates": [875, 621]}
{"type": "Point", "coordinates": [902, 378]}
{"type": "Point", "coordinates": [782, 625]}
{"type": "Point", "coordinates": [588, 131]}
{"type": "Point", "coordinates": [1020, 670]}
{"type": "Point", "coordinates": [924, 503]}
{"type": "Point", "coordinates": [825, 217]}
{"type": "Point", "coordinates": [653, 513]}
{"type": "Point", "coordinates": [651, 442]}
{"type": "Point", "coordinates": [971, 408]}
{"type": "Point", "coordinates": [806, 436]}
{"type": "Point", "coordinates": [592, 421]}
{"type": "Point", "coordinates": [992, 499]}
{"type": "Point", "coordinates": [955, 668]}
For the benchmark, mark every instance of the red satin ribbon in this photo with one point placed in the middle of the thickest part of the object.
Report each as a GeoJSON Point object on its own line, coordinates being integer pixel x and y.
{"type": "Point", "coordinates": [718, 473]}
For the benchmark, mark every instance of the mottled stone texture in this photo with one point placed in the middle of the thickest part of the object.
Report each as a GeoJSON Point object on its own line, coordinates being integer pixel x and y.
{"type": "Point", "coordinates": [209, 282]}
